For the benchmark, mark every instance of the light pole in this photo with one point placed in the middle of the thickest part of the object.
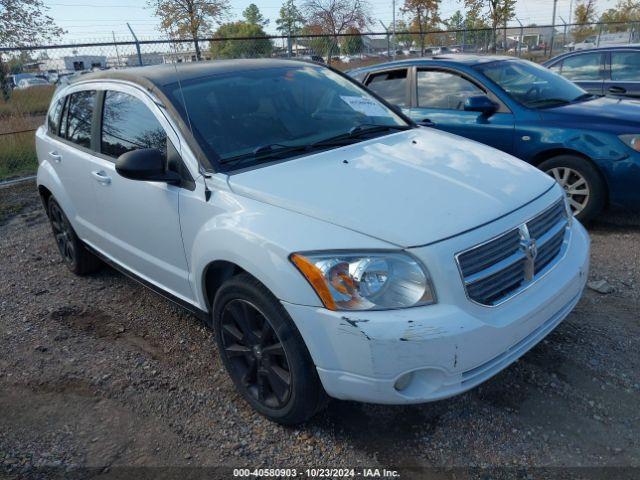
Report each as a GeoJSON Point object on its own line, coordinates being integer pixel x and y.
{"type": "Point", "coordinates": [553, 27]}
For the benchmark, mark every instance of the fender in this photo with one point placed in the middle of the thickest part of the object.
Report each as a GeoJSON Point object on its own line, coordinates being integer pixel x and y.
{"type": "Point", "coordinates": [259, 238]}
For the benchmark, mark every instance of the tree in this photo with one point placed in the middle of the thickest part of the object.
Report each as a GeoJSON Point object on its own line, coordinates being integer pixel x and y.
{"type": "Point", "coordinates": [334, 17]}
{"type": "Point", "coordinates": [353, 43]}
{"type": "Point", "coordinates": [626, 11]}
{"type": "Point", "coordinates": [424, 16]}
{"type": "Point", "coordinates": [23, 22]}
{"type": "Point", "coordinates": [584, 15]}
{"type": "Point", "coordinates": [189, 18]}
{"type": "Point", "coordinates": [403, 37]}
{"type": "Point", "coordinates": [253, 15]}
{"type": "Point", "coordinates": [291, 21]}
{"type": "Point", "coordinates": [246, 48]}
{"type": "Point", "coordinates": [498, 12]}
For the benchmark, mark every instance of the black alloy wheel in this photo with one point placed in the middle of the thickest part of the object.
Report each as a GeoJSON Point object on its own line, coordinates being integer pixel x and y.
{"type": "Point", "coordinates": [63, 233]}
{"type": "Point", "coordinates": [256, 354]}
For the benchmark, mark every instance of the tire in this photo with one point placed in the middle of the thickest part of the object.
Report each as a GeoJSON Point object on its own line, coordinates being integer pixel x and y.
{"type": "Point", "coordinates": [74, 253]}
{"type": "Point", "coordinates": [254, 333]}
{"type": "Point", "coordinates": [573, 171]}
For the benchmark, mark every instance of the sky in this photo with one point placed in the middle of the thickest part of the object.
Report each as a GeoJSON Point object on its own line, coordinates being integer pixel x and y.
{"type": "Point", "coordinates": [94, 20]}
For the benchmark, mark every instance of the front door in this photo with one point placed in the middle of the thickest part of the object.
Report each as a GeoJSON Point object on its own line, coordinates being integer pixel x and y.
{"type": "Point", "coordinates": [440, 104]}
{"type": "Point", "coordinates": [141, 219]}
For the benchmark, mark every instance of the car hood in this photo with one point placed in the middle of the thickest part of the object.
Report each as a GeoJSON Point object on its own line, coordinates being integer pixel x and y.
{"type": "Point", "coordinates": [606, 111]}
{"type": "Point", "coordinates": [409, 188]}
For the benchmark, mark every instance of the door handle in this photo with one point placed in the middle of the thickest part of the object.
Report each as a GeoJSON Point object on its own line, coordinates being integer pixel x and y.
{"type": "Point", "coordinates": [55, 156]}
{"type": "Point", "coordinates": [617, 90]}
{"type": "Point", "coordinates": [101, 177]}
{"type": "Point", "coordinates": [425, 122]}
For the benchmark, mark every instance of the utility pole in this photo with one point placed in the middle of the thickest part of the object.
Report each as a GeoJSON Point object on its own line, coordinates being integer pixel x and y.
{"type": "Point", "coordinates": [138, 44]}
{"type": "Point", "coordinates": [564, 35]}
{"type": "Point", "coordinates": [116, 45]}
{"type": "Point", "coordinates": [521, 37]}
{"type": "Point", "coordinates": [393, 27]}
{"type": "Point", "coordinates": [570, 10]}
{"type": "Point", "coordinates": [553, 27]}
{"type": "Point", "coordinates": [388, 42]}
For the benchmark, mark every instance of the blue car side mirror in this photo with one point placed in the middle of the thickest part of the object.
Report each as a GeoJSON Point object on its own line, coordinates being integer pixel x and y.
{"type": "Point", "coordinates": [480, 103]}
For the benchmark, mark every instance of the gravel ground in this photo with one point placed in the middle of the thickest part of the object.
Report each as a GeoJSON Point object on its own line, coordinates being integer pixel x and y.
{"type": "Point", "coordinates": [101, 372]}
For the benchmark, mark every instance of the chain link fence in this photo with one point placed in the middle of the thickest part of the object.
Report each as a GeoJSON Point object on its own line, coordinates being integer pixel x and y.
{"type": "Point", "coordinates": [30, 75]}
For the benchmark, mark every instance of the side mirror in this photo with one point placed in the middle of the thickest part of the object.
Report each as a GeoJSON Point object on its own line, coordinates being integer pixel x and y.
{"type": "Point", "coordinates": [146, 164]}
{"type": "Point", "coordinates": [480, 103]}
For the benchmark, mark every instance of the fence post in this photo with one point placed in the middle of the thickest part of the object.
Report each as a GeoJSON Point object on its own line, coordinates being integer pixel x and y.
{"type": "Point", "coordinates": [464, 39]}
{"type": "Point", "coordinates": [289, 45]}
{"type": "Point", "coordinates": [137, 44]}
{"type": "Point", "coordinates": [599, 34]}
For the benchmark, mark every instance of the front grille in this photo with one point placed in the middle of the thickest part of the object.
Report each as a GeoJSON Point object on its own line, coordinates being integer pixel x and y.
{"type": "Point", "coordinates": [496, 270]}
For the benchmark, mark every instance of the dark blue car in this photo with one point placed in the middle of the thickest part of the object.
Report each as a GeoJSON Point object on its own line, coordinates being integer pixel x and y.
{"type": "Point", "coordinates": [603, 71]}
{"type": "Point", "coordinates": [590, 144]}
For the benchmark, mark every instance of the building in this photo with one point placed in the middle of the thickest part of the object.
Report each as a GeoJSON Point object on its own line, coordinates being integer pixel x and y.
{"type": "Point", "coordinates": [74, 63]}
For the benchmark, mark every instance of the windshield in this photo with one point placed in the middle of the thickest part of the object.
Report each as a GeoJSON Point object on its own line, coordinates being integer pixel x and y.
{"type": "Point", "coordinates": [532, 85]}
{"type": "Point", "coordinates": [237, 115]}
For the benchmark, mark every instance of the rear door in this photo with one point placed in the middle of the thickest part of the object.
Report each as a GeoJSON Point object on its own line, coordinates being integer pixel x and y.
{"type": "Point", "coordinates": [142, 223]}
{"type": "Point", "coordinates": [439, 103]}
{"type": "Point", "coordinates": [70, 152]}
{"type": "Point", "coordinates": [624, 73]}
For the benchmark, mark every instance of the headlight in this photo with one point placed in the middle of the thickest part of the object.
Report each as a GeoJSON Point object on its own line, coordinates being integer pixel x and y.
{"type": "Point", "coordinates": [366, 281]}
{"type": "Point", "coordinates": [632, 141]}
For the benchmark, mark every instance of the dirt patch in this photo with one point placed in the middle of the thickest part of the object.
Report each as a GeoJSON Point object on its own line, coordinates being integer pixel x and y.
{"type": "Point", "coordinates": [100, 372]}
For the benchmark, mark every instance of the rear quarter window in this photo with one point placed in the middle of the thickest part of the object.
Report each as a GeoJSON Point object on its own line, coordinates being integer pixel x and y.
{"type": "Point", "coordinates": [55, 114]}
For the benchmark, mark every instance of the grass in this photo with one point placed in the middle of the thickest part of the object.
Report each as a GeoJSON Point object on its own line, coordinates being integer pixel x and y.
{"type": "Point", "coordinates": [17, 155]}
{"type": "Point", "coordinates": [32, 101]}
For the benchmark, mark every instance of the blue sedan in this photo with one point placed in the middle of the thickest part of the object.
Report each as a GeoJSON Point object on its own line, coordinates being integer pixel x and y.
{"type": "Point", "coordinates": [589, 144]}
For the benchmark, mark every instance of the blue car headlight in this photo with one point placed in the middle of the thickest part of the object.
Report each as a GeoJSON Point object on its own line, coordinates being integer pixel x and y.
{"type": "Point", "coordinates": [631, 140]}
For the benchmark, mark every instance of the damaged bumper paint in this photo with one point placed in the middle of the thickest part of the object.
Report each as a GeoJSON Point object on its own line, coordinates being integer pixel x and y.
{"type": "Point", "coordinates": [428, 353]}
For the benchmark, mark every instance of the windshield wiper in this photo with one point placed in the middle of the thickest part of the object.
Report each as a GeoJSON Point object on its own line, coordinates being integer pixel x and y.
{"type": "Point", "coordinates": [552, 101]}
{"type": "Point", "coordinates": [269, 151]}
{"type": "Point", "coordinates": [357, 132]}
{"type": "Point", "coordinates": [277, 150]}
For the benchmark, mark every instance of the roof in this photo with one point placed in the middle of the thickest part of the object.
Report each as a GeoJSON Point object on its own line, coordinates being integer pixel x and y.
{"type": "Point", "coordinates": [164, 74]}
{"type": "Point", "coordinates": [459, 58]}
{"type": "Point", "coordinates": [629, 46]}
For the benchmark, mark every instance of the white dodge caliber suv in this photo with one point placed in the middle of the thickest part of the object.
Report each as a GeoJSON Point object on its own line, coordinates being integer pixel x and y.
{"type": "Point", "coordinates": [334, 246]}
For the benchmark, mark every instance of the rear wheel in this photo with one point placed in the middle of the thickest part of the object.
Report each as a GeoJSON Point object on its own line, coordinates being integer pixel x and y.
{"type": "Point", "coordinates": [75, 255]}
{"type": "Point", "coordinates": [264, 353]}
{"type": "Point", "coordinates": [581, 182]}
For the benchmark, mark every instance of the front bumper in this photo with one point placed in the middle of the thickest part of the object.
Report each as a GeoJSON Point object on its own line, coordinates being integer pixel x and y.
{"type": "Point", "coordinates": [428, 353]}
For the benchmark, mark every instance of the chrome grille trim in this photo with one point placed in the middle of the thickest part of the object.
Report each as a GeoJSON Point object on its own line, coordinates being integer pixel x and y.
{"type": "Point", "coordinates": [500, 268]}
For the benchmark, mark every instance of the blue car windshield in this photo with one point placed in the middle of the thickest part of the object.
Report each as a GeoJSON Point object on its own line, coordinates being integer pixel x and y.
{"type": "Point", "coordinates": [256, 114]}
{"type": "Point", "coordinates": [532, 85]}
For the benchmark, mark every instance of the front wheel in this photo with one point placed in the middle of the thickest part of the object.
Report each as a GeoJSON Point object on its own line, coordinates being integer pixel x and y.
{"type": "Point", "coordinates": [264, 353]}
{"type": "Point", "coordinates": [581, 182]}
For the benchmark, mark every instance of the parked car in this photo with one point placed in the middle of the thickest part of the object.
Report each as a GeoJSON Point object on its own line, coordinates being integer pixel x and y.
{"type": "Point", "coordinates": [15, 78]}
{"type": "Point", "coordinates": [602, 71]}
{"type": "Point", "coordinates": [332, 244]}
{"type": "Point", "coordinates": [591, 145]}
{"type": "Point", "coordinates": [31, 82]}
{"type": "Point", "coordinates": [605, 40]}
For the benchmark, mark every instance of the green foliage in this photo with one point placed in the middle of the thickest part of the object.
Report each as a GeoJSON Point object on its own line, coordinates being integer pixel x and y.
{"type": "Point", "coordinates": [625, 11]}
{"type": "Point", "coordinates": [352, 44]}
{"type": "Point", "coordinates": [253, 15]}
{"type": "Point", "coordinates": [585, 14]}
{"type": "Point", "coordinates": [291, 21]}
{"type": "Point", "coordinates": [254, 47]}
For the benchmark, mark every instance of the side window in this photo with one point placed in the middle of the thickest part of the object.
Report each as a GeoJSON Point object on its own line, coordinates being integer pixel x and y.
{"type": "Point", "coordinates": [392, 86]}
{"type": "Point", "coordinates": [582, 67]}
{"type": "Point", "coordinates": [625, 66]}
{"type": "Point", "coordinates": [444, 90]}
{"type": "Point", "coordinates": [127, 124]}
{"type": "Point", "coordinates": [55, 113]}
{"type": "Point", "coordinates": [78, 117]}
{"type": "Point", "coordinates": [556, 67]}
